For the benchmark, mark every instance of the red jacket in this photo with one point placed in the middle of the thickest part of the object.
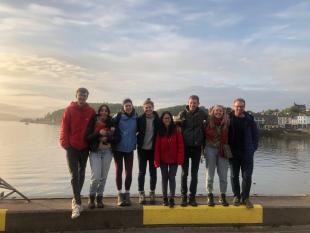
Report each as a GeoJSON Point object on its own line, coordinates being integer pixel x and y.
{"type": "Point", "coordinates": [169, 149]}
{"type": "Point", "coordinates": [73, 125]}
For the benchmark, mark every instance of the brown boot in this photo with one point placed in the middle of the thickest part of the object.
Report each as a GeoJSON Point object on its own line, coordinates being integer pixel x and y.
{"type": "Point", "coordinates": [99, 202]}
{"type": "Point", "coordinates": [91, 202]}
{"type": "Point", "coordinates": [120, 199]}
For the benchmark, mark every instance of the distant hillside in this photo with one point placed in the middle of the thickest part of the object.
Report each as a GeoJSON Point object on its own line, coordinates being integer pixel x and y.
{"type": "Point", "coordinates": [55, 117]}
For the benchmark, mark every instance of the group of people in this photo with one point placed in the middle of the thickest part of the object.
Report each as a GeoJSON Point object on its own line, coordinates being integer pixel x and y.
{"type": "Point", "coordinates": [162, 142]}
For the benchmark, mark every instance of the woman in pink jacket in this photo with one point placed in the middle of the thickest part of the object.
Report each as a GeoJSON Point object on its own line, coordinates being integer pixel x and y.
{"type": "Point", "coordinates": [169, 153]}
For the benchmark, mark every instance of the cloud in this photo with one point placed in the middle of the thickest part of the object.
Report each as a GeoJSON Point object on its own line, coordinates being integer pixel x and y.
{"type": "Point", "coordinates": [44, 10]}
{"type": "Point", "coordinates": [215, 19]}
{"type": "Point", "coordinates": [138, 49]}
{"type": "Point", "coordinates": [295, 12]}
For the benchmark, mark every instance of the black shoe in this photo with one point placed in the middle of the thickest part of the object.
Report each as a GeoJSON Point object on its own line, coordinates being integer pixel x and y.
{"type": "Point", "coordinates": [127, 201]}
{"type": "Point", "coordinates": [171, 202]}
{"type": "Point", "coordinates": [91, 202]}
{"type": "Point", "coordinates": [184, 201]}
{"type": "Point", "coordinates": [236, 201]}
{"type": "Point", "coordinates": [210, 200]}
{"type": "Point", "coordinates": [223, 200]}
{"type": "Point", "coordinates": [99, 202]}
{"type": "Point", "coordinates": [248, 203]}
{"type": "Point", "coordinates": [192, 201]}
{"type": "Point", "coordinates": [165, 201]}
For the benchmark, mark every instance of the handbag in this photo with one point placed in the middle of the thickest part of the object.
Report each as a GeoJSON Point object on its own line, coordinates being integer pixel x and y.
{"type": "Point", "coordinates": [227, 151]}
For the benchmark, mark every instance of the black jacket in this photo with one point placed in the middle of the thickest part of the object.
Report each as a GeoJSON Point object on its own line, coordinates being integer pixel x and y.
{"type": "Point", "coordinates": [192, 124]}
{"type": "Point", "coordinates": [141, 126]}
{"type": "Point", "coordinates": [250, 135]}
{"type": "Point", "coordinates": [93, 137]}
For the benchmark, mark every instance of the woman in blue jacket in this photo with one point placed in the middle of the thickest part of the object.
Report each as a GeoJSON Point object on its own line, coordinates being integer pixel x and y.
{"type": "Point", "coordinates": [126, 123]}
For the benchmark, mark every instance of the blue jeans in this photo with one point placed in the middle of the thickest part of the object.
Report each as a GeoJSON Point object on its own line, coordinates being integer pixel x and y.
{"type": "Point", "coordinates": [100, 162]}
{"type": "Point", "coordinates": [214, 160]}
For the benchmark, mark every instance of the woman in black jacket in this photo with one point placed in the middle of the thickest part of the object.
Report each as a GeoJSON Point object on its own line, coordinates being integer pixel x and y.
{"type": "Point", "coordinates": [101, 135]}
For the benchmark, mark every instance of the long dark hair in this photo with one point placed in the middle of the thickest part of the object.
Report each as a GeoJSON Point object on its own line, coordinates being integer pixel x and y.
{"type": "Point", "coordinates": [108, 121]}
{"type": "Point", "coordinates": [162, 128]}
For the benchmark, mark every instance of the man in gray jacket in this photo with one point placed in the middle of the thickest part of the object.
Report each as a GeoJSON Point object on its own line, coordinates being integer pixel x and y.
{"type": "Point", "coordinates": [192, 123]}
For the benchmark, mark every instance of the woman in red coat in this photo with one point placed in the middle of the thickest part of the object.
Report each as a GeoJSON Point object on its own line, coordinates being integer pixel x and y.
{"type": "Point", "coordinates": [169, 153]}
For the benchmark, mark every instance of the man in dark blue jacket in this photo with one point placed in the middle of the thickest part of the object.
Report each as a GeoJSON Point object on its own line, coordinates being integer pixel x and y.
{"type": "Point", "coordinates": [243, 141]}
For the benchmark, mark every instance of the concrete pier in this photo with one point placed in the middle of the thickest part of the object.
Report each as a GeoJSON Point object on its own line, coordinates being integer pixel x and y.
{"type": "Point", "coordinates": [55, 214]}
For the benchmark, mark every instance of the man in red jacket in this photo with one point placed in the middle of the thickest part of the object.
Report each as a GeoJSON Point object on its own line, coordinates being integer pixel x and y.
{"type": "Point", "coordinates": [72, 138]}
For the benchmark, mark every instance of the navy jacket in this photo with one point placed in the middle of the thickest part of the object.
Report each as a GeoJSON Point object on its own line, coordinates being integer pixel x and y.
{"type": "Point", "coordinates": [250, 135]}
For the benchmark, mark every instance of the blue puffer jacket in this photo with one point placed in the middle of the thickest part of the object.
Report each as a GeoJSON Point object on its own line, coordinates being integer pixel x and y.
{"type": "Point", "coordinates": [250, 135]}
{"type": "Point", "coordinates": [127, 126]}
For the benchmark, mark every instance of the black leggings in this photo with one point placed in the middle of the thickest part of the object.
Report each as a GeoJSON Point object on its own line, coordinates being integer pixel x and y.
{"type": "Point", "coordinates": [143, 157]}
{"type": "Point", "coordinates": [168, 173]}
{"type": "Point", "coordinates": [128, 159]}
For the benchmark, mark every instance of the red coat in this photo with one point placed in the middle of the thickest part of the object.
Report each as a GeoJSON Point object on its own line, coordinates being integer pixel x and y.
{"type": "Point", "coordinates": [73, 125]}
{"type": "Point", "coordinates": [169, 149]}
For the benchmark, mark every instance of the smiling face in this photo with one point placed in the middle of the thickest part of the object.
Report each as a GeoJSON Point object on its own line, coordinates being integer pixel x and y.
{"type": "Point", "coordinates": [193, 104]}
{"type": "Point", "coordinates": [103, 113]}
{"type": "Point", "coordinates": [239, 107]}
{"type": "Point", "coordinates": [167, 120]}
{"type": "Point", "coordinates": [81, 98]}
{"type": "Point", "coordinates": [128, 108]}
{"type": "Point", "coordinates": [218, 112]}
{"type": "Point", "coordinates": [148, 109]}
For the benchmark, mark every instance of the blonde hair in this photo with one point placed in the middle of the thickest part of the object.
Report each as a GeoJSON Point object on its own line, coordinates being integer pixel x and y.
{"type": "Point", "coordinates": [225, 120]}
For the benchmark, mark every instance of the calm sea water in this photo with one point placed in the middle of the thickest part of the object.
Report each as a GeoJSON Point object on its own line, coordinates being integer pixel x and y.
{"type": "Point", "coordinates": [33, 162]}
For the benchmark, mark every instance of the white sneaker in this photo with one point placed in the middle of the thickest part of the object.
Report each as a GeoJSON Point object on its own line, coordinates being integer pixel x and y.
{"type": "Point", "coordinates": [73, 203]}
{"type": "Point", "coordinates": [76, 211]}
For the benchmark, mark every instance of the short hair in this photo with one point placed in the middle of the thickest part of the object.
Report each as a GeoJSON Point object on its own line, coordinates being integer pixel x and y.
{"type": "Point", "coordinates": [239, 100]}
{"type": "Point", "coordinates": [82, 90]}
{"type": "Point", "coordinates": [194, 97]}
{"type": "Point", "coordinates": [127, 100]}
{"type": "Point", "coordinates": [148, 101]}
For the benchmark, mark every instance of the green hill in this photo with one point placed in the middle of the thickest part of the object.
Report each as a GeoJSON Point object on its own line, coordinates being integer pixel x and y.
{"type": "Point", "coordinates": [55, 117]}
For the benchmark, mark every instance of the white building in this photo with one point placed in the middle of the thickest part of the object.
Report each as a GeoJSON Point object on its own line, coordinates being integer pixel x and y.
{"type": "Point", "coordinates": [284, 121]}
{"type": "Point", "coordinates": [303, 121]}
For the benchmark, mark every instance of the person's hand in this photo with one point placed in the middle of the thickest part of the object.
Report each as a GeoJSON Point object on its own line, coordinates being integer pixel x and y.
{"type": "Point", "coordinates": [103, 132]}
{"type": "Point", "coordinates": [104, 139]}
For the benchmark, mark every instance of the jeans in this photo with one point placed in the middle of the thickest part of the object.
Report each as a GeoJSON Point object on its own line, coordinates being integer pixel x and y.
{"type": "Point", "coordinates": [77, 160]}
{"type": "Point", "coordinates": [214, 160]}
{"type": "Point", "coordinates": [246, 166]}
{"type": "Point", "coordinates": [100, 164]}
{"type": "Point", "coordinates": [143, 157]}
{"type": "Point", "coordinates": [193, 153]}
{"type": "Point", "coordinates": [128, 159]}
{"type": "Point", "coordinates": [168, 173]}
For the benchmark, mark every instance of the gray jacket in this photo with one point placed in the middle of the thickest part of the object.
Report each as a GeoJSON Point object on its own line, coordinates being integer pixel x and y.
{"type": "Point", "coordinates": [192, 124]}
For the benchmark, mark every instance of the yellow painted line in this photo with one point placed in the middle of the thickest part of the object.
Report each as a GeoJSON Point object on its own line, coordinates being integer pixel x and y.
{"type": "Point", "coordinates": [202, 214]}
{"type": "Point", "coordinates": [2, 219]}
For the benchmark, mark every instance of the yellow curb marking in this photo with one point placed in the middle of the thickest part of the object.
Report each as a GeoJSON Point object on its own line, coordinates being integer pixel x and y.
{"type": "Point", "coordinates": [2, 219]}
{"type": "Point", "coordinates": [202, 214]}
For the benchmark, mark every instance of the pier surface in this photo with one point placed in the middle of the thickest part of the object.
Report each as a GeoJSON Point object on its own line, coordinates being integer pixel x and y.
{"type": "Point", "coordinates": [48, 215]}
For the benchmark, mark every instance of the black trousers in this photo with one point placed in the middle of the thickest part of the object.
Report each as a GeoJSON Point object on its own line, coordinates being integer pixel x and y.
{"type": "Point", "coordinates": [168, 173]}
{"type": "Point", "coordinates": [143, 157]}
{"type": "Point", "coordinates": [194, 154]}
{"type": "Point", "coordinates": [77, 161]}
{"type": "Point", "coordinates": [245, 164]}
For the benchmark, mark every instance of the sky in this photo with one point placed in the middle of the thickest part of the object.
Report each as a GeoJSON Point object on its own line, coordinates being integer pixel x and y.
{"type": "Point", "coordinates": [165, 50]}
